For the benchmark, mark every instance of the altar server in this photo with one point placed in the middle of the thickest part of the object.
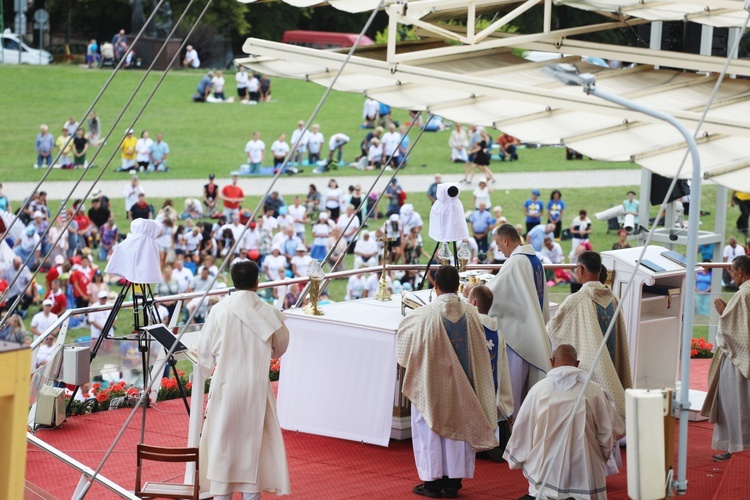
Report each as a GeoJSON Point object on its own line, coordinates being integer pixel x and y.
{"type": "Point", "coordinates": [578, 471]}
{"type": "Point", "coordinates": [728, 401]}
{"type": "Point", "coordinates": [448, 380]}
{"type": "Point", "coordinates": [582, 320]}
{"type": "Point", "coordinates": [241, 446]}
{"type": "Point", "coordinates": [521, 308]}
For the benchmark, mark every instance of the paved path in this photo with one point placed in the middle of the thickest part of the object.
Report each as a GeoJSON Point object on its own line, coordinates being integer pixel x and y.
{"type": "Point", "coordinates": [256, 186]}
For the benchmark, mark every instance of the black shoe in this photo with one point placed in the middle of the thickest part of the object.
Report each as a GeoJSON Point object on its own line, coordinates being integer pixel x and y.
{"type": "Point", "coordinates": [450, 492]}
{"type": "Point", "coordinates": [421, 490]}
{"type": "Point", "coordinates": [722, 456]}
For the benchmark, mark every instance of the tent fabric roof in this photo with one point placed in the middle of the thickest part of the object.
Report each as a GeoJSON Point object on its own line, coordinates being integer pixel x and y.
{"type": "Point", "coordinates": [496, 89]}
{"type": "Point", "coordinates": [716, 13]}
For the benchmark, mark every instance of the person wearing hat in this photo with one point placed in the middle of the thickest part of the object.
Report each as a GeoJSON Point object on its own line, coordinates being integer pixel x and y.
{"type": "Point", "coordinates": [97, 319]}
{"type": "Point", "coordinates": [127, 147]}
{"type": "Point", "coordinates": [210, 196]}
{"type": "Point", "coordinates": [300, 261]}
{"type": "Point", "coordinates": [533, 209]}
{"type": "Point", "coordinates": [56, 294]}
{"type": "Point", "coordinates": [393, 230]}
{"type": "Point", "coordinates": [274, 266]}
{"type": "Point", "coordinates": [44, 319]}
{"type": "Point", "coordinates": [25, 247]}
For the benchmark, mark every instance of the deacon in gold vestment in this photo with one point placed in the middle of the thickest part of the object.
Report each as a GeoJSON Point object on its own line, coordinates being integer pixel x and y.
{"type": "Point", "coordinates": [582, 320]}
{"type": "Point", "coordinates": [449, 382]}
{"type": "Point", "coordinates": [728, 400]}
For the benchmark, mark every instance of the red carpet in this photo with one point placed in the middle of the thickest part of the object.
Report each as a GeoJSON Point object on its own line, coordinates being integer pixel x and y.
{"type": "Point", "coordinates": [325, 467]}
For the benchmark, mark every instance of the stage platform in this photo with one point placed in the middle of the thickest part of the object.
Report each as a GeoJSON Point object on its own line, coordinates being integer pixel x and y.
{"type": "Point", "coordinates": [328, 468]}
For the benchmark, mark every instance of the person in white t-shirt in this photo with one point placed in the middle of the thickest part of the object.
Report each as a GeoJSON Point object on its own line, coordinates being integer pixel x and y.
{"type": "Point", "coordinates": [274, 266]}
{"type": "Point", "coordinates": [242, 79]}
{"type": "Point", "coordinates": [481, 195]}
{"type": "Point", "coordinates": [300, 136]}
{"type": "Point", "coordinates": [366, 251]}
{"type": "Point", "coordinates": [300, 262]}
{"type": "Point", "coordinates": [391, 141]}
{"type": "Point", "coordinates": [351, 231]}
{"type": "Point", "coordinates": [44, 353]}
{"type": "Point", "coordinates": [253, 89]}
{"type": "Point", "coordinates": [315, 142]}
{"type": "Point", "coordinates": [280, 149]}
{"type": "Point", "coordinates": [182, 274]}
{"type": "Point", "coordinates": [297, 215]}
{"type": "Point", "coordinates": [217, 83]}
{"type": "Point", "coordinates": [193, 241]}
{"type": "Point", "coordinates": [97, 319]}
{"type": "Point", "coordinates": [191, 58]}
{"type": "Point", "coordinates": [370, 112]}
{"type": "Point", "coordinates": [336, 144]}
{"type": "Point", "coordinates": [131, 193]}
{"type": "Point", "coordinates": [43, 319]}
{"type": "Point", "coordinates": [255, 150]}
{"type": "Point", "coordinates": [355, 287]}
{"type": "Point", "coordinates": [375, 154]}
{"type": "Point", "coordinates": [143, 151]}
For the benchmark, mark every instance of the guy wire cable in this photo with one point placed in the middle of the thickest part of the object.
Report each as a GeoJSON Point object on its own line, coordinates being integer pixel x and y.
{"type": "Point", "coordinates": [158, 371]}
{"type": "Point", "coordinates": [305, 291]}
{"type": "Point", "coordinates": [88, 112]}
{"type": "Point", "coordinates": [681, 458]}
{"type": "Point", "coordinates": [101, 173]}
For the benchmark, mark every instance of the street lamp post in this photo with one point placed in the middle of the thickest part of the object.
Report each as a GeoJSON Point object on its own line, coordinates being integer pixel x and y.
{"type": "Point", "coordinates": [681, 403]}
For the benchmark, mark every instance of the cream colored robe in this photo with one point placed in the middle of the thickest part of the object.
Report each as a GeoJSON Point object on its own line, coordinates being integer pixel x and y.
{"type": "Point", "coordinates": [504, 396]}
{"type": "Point", "coordinates": [576, 323]}
{"type": "Point", "coordinates": [578, 472]}
{"type": "Point", "coordinates": [732, 345]}
{"type": "Point", "coordinates": [519, 317]}
{"type": "Point", "coordinates": [435, 382]}
{"type": "Point", "coordinates": [241, 447]}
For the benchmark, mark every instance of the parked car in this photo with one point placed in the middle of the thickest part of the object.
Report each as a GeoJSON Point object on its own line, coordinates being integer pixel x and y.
{"type": "Point", "coordinates": [14, 50]}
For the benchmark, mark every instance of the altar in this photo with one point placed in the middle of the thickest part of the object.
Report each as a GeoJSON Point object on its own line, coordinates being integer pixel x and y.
{"type": "Point", "coordinates": [339, 376]}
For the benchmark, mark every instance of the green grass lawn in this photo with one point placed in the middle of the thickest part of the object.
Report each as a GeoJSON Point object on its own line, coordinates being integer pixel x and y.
{"type": "Point", "coordinates": [203, 137]}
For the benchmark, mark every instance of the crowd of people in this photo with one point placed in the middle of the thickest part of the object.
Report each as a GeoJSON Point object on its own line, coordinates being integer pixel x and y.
{"type": "Point", "coordinates": [252, 88]}
{"type": "Point", "coordinates": [72, 144]}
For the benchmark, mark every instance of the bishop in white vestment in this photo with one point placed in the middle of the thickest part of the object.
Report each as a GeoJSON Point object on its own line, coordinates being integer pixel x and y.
{"type": "Point", "coordinates": [241, 447]}
{"type": "Point", "coordinates": [448, 380]}
{"type": "Point", "coordinates": [727, 403]}
{"type": "Point", "coordinates": [521, 308]}
{"type": "Point", "coordinates": [579, 470]}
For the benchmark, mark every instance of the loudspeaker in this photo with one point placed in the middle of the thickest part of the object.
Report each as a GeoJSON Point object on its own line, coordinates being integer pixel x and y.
{"type": "Point", "coordinates": [660, 185]}
{"type": "Point", "coordinates": [76, 365]}
{"type": "Point", "coordinates": [50, 407]}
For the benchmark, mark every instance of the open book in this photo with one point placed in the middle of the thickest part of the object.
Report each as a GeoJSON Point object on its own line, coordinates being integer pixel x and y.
{"type": "Point", "coordinates": [410, 300]}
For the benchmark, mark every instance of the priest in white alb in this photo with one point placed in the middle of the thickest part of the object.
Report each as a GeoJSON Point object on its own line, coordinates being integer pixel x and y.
{"type": "Point", "coordinates": [578, 470]}
{"type": "Point", "coordinates": [448, 380]}
{"type": "Point", "coordinates": [241, 447]}
{"type": "Point", "coordinates": [582, 320]}
{"type": "Point", "coordinates": [521, 308]}
{"type": "Point", "coordinates": [727, 403]}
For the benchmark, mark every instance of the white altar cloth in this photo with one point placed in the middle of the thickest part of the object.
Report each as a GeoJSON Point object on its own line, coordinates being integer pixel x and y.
{"type": "Point", "coordinates": [338, 376]}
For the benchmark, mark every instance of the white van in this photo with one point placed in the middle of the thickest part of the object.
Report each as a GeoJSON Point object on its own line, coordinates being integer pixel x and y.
{"type": "Point", "coordinates": [14, 50]}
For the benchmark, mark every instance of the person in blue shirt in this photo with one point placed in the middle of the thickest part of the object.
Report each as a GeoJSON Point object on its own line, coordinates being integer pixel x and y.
{"type": "Point", "coordinates": [535, 237]}
{"type": "Point", "coordinates": [631, 206]}
{"type": "Point", "coordinates": [44, 144]}
{"type": "Point", "coordinates": [204, 88]}
{"type": "Point", "coordinates": [555, 210]}
{"type": "Point", "coordinates": [533, 209]}
{"type": "Point", "coordinates": [159, 153]}
{"type": "Point", "coordinates": [481, 223]}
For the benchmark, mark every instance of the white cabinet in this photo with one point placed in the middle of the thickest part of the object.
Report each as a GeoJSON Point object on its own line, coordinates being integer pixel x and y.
{"type": "Point", "coordinates": [653, 313]}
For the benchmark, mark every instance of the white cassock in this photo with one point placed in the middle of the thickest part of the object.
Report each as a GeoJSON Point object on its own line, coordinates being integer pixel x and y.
{"type": "Point", "coordinates": [728, 400]}
{"type": "Point", "coordinates": [520, 316]}
{"type": "Point", "coordinates": [579, 470]}
{"type": "Point", "coordinates": [241, 446]}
